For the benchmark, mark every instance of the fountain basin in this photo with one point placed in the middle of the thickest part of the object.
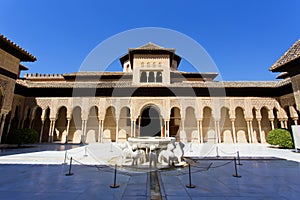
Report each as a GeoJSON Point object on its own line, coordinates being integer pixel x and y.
{"type": "Point", "coordinates": [146, 142]}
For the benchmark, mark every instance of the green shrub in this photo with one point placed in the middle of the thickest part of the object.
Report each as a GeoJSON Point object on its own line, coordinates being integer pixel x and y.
{"type": "Point", "coordinates": [280, 137]}
{"type": "Point", "coordinates": [23, 136]}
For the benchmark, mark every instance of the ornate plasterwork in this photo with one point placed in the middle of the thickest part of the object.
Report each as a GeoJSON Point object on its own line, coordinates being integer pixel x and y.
{"type": "Point", "coordinates": [287, 100]}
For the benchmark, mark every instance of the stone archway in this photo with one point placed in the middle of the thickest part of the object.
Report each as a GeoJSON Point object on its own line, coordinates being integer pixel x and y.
{"type": "Point", "coordinates": [150, 122]}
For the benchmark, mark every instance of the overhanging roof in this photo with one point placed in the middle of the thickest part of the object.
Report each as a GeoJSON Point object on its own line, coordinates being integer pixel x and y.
{"type": "Point", "coordinates": [289, 58]}
{"type": "Point", "coordinates": [15, 50]}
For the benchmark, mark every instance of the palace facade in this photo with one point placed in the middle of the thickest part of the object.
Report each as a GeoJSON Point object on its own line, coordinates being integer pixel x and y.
{"type": "Point", "coordinates": [149, 97]}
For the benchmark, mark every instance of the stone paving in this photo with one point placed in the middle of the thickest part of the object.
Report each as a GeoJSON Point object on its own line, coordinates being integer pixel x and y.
{"type": "Point", "coordinates": [270, 174]}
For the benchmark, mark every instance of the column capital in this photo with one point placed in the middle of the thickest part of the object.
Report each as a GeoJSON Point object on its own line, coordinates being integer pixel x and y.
{"type": "Point", "coordinates": [232, 119]}
{"type": "Point", "coordinates": [248, 119]}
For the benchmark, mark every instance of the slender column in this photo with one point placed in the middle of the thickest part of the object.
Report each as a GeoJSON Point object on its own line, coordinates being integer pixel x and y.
{"type": "Point", "coordinates": [262, 139]}
{"type": "Point", "coordinates": [68, 129]}
{"type": "Point", "coordinates": [182, 136]}
{"type": "Point", "coordinates": [198, 130]}
{"type": "Point", "coordinates": [216, 132]}
{"type": "Point", "coordinates": [282, 124]}
{"type": "Point", "coordinates": [102, 129]}
{"type": "Point", "coordinates": [201, 131]}
{"type": "Point", "coordinates": [42, 130]}
{"type": "Point", "coordinates": [31, 123]}
{"type": "Point", "coordinates": [139, 126]}
{"type": "Point", "coordinates": [117, 130]}
{"type": "Point", "coordinates": [134, 128]}
{"type": "Point", "coordinates": [51, 130]}
{"type": "Point", "coordinates": [84, 129]}
{"type": "Point", "coordinates": [167, 134]}
{"type": "Point", "coordinates": [285, 124]}
{"type": "Point", "coordinates": [8, 127]}
{"type": "Point", "coordinates": [2, 126]}
{"type": "Point", "coordinates": [272, 124]}
{"type": "Point", "coordinates": [233, 130]}
{"type": "Point", "coordinates": [165, 128]}
{"type": "Point", "coordinates": [99, 131]}
{"type": "Point", "coordinates": [131, 128]}
{"type": "Point", "coordinates": [249, 131]}
{"type": "Point", "coordinates": [219, 131]}
{"type": "Point", "coordinates": [296, 121]}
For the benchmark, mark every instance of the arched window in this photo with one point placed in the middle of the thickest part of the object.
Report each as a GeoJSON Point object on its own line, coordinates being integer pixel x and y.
{"type": "Point", "coordinates": [143, 78]}
{"type": "Point", "coordinates": [158, 77]}
{"type": "Point", "coordinates": [151, 77]}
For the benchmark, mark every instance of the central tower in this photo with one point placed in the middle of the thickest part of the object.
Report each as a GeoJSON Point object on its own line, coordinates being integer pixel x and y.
{"type": "Point", "coordinates": [150, 64]}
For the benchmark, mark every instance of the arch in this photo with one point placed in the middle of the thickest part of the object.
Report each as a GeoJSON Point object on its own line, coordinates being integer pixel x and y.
{"type": "Point", "coordinates": [149, 121]}
{"type": "Point", "coordinates": [289, 118]}
{"type": "Point", "coordinates": [241, 126]}
{"type": "Point", "coordinates": [276, 118]}
{"type": "Point", "coordinates": [225, 126]}
{"type": "Point", "coordinates": [208, 125]}
{"type": "Point", "coordinates": [255, 127]}
{"type": "Point", "coordinates": [156, 106]}
{"type": "Point", "coordinates": [92, 125]}
{"type": "Point", "coordinates": [45, 135]}
{"type": "Point", "coordinates": [175, 122]}
{"type": "Point", "coordinates": [75, 130]}
{"type": "Point", "coordinates": [60, 125]}
{"type": "Point", "coordinates": [37, 122]}
{"type": "Point", "coordinates": [190, 124]}
{"type": "Point", "coordinates": [110, 123]}
{"type": "Point", "coordinates": [16, 119]}
{"type": "Point", "coordinates": [26, 123]}
{"type": "Point", "coordinates": [265, 122]}
{"type": "Point", "coordinates": [125, 120]}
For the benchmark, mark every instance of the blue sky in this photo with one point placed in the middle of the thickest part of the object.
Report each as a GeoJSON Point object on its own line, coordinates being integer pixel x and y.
{"type": "Point", "coordinates": [244, 38]}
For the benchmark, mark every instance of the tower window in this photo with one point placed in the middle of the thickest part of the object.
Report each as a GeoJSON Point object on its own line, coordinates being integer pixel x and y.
{"type": "Point", "coordinates": [143, 78]}
{"type": "Point", "coordinates": [151, 77]}
{"type": "Point", "coordinates": [158, 77]}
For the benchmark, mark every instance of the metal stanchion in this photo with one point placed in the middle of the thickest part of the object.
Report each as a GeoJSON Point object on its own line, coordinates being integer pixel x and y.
{"type": "Point", "coordinates": [65, 160]}
{"type": "Point", "coordinates": [70, 168]}
{"type": "Point", "coordinates": [238, 157]}
{"type": "Point", "coordinates": [115, 179]}
{"type": "Point", "coordinates": [236, 172]}
{"type": "Point", "coordinates": [217, 150]}
{"type": "Point", "coordinates": [190, 185]}
{"type": "Point", "coordinates": [85, 152]}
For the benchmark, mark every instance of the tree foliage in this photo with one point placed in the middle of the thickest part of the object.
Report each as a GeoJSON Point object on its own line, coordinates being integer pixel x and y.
{"type": "Point", "coordinates": [280, 137]}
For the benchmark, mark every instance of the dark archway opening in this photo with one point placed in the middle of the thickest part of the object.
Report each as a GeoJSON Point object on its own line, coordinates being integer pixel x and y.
{"type": "Point", "coordinates": [150, 123]}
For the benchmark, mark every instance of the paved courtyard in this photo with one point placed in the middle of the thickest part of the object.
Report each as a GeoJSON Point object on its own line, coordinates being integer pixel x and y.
{"type": "Point", "coordinates": [41, 174]}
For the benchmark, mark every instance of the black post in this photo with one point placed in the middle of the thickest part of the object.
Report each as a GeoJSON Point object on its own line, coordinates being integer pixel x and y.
{"type": "Point", "coordinates": [236, 173]}
{"type": "Point", "coordinates": [115, 179]}
{"type": "Point", "coordinates": [70, 168]}
{"type": "Point", "coordinates": [65, 160]}
{"type": "Point", "coordinates": [217, 149]}
{"type": "Point", "coordinates": [190, 185]}
{"type": "Point", "coordinates": [238, 157]}
{"type": "Point", "coordinates": [85, 153]}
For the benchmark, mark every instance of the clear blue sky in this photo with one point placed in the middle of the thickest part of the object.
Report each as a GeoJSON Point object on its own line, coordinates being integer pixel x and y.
{"type": "Point", "coordinates": [244, 38]}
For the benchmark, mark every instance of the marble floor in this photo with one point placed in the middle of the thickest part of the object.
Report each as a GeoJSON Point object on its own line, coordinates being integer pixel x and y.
{"type": "Point", "coordinates": [266, 173]}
